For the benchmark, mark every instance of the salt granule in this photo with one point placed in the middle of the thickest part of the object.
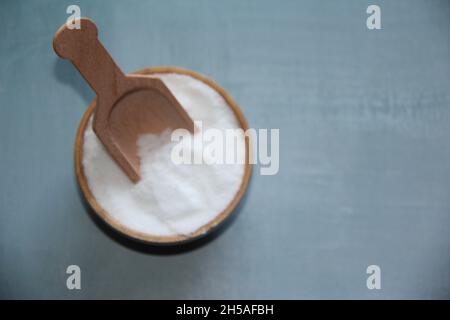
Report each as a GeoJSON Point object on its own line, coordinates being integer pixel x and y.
{"type": "Point", "coordinates": [169, 199]}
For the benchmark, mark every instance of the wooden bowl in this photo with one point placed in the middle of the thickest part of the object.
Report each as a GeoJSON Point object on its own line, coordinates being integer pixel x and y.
{"type": "Point", "coordinates": [154, 239]}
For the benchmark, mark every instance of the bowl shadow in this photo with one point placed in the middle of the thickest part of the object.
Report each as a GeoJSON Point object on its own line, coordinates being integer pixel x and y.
{"type": "Point", "coordinates": [163, 249]}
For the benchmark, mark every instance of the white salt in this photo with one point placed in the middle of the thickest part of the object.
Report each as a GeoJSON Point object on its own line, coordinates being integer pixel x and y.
{"type": "Point", "coordinates": [169, 199]}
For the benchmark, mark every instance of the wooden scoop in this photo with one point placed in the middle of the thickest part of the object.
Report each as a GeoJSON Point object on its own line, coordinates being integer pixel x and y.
{"type": "Point", "coordinates": [127, 105]}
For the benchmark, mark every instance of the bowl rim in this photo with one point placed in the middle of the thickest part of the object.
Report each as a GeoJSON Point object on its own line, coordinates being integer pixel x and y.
{"type": "Point", "coordinates": [172, 239]}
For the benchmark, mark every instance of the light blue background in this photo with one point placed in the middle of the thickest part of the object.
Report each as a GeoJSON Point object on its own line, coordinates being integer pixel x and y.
{"type": "Point", "coordinates": [364, 119]}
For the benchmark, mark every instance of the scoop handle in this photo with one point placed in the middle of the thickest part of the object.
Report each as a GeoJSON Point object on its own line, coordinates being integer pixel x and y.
{"type": "Point", "coordinates": [83, 48]}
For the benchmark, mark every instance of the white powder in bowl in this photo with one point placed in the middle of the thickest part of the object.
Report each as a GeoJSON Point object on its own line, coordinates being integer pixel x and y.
{"type": "Point", "coordinates": [169, 199]}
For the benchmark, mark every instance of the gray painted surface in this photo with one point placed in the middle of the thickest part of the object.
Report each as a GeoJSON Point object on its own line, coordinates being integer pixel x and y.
{"type": "Point", "coordinates": [365, 149]}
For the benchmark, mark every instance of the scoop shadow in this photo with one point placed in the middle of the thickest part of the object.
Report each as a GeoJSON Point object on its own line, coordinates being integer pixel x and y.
{"type": "Point", "coordinates": [68, 75]}
{"type": "Point", "coordinates": [146, 248]}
